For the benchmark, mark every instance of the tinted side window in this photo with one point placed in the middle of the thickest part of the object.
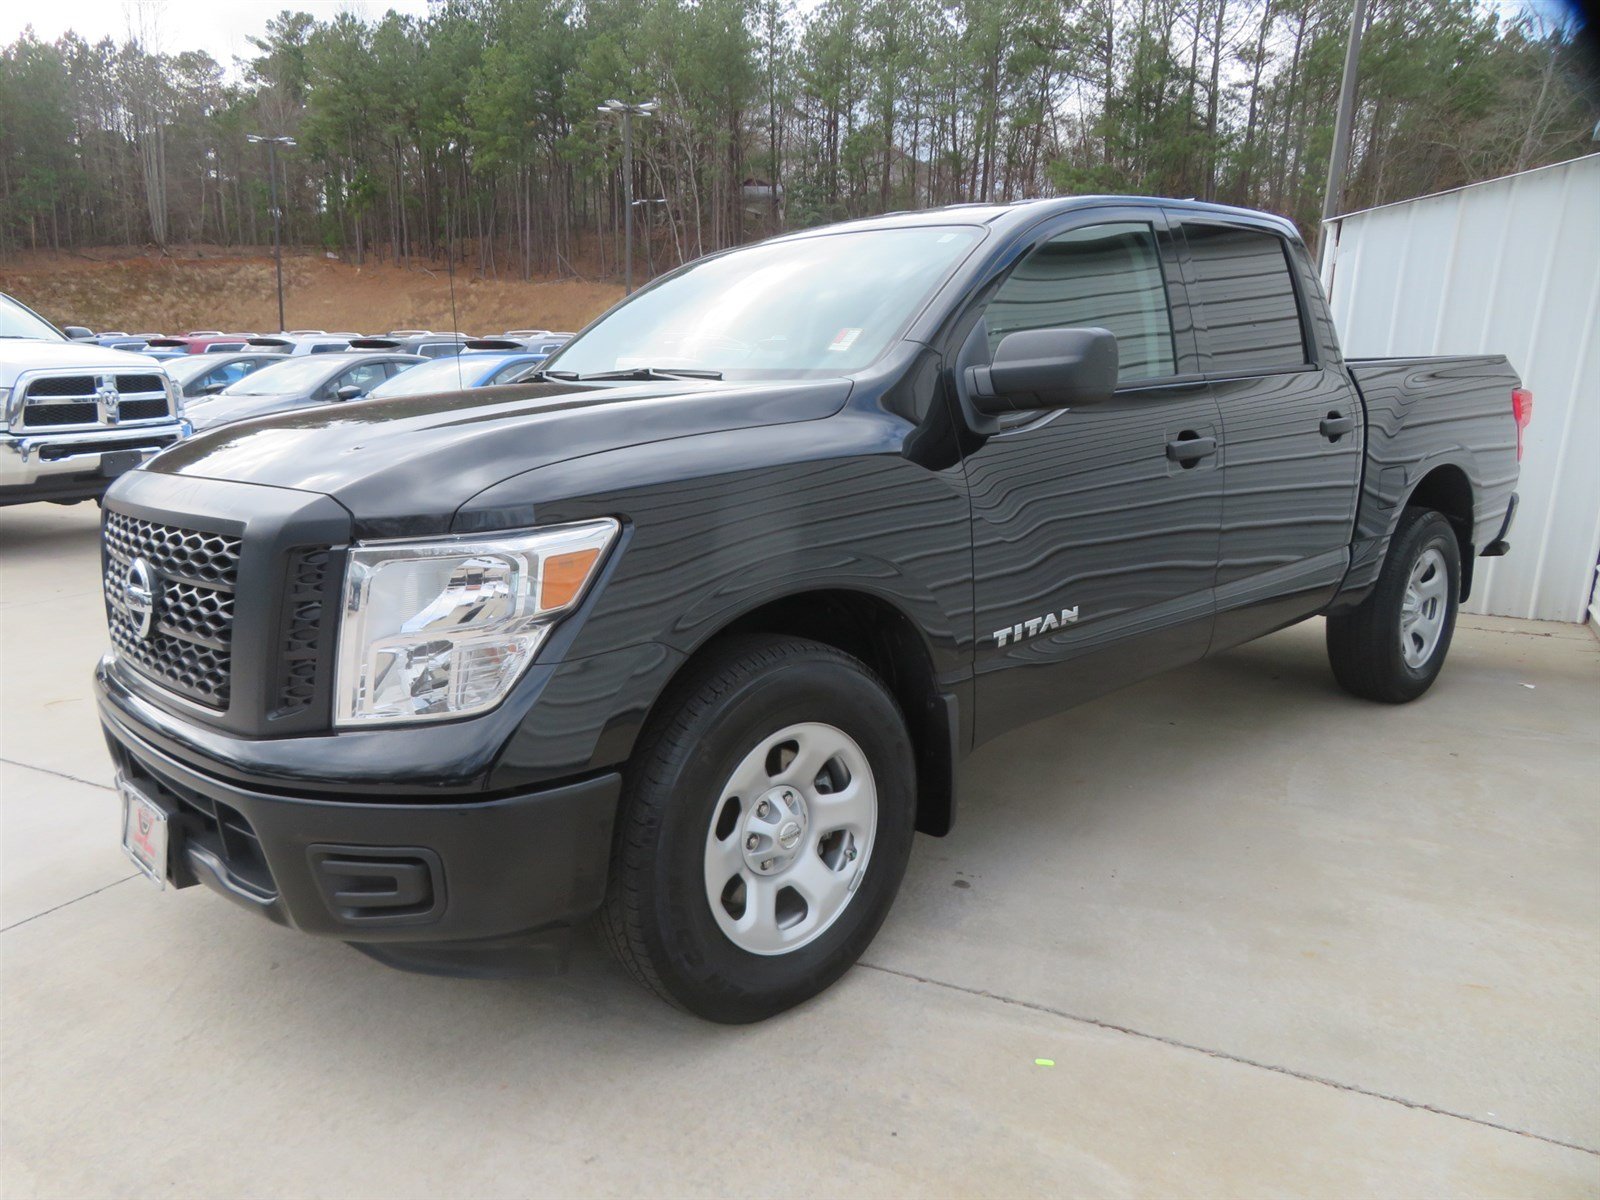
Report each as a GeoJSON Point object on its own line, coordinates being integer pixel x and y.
{"type": "Point", "coordinates": [1106, 276]}
{"type": "Point", "coordinates": [1245, 298]}
{"type": "Point", "coordinates": [367, 375]}
{"type": "Point", "coordinates": [509, 373]}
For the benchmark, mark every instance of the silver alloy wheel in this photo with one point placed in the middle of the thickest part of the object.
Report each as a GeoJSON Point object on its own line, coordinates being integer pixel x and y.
{"type": "Point", "coordinates": [790, 838]}
{"type": "Point", "coordinates": [1423, 608]}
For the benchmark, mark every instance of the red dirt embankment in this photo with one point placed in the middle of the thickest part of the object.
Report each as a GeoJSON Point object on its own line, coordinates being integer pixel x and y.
{"type": "Point", "coordinates": [110, 289]}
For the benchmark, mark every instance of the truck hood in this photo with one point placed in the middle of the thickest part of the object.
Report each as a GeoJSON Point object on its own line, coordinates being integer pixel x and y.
{"type": "Point", "coordinates": [18, 355]}
{"type": "Point", "coordinates": [403, 466]}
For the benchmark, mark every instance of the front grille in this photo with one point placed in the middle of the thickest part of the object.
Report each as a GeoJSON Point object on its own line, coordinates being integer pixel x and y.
{"type": "Point", "coordinates": [68, 412]}
{"type": "Point", "coordinates": [189, 646]}
{"type": "Point", "coordinates": [302, 627]}
{"type": "Point", "coordinates": [64, 385]}
{"type": "Point", "coordinates": [74, 400]}
{"type": "Point", "coordinates": [143, 410]}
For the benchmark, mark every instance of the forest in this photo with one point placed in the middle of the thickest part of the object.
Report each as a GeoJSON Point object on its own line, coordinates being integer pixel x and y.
{"type": "Point", "coordinates": [472, 134]}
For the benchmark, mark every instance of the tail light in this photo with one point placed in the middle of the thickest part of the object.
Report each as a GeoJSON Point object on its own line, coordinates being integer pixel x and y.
{"type": "Point", "coordinates": [1522, 410]}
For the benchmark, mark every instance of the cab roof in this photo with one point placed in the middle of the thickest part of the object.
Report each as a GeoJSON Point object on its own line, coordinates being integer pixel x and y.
{"type": "Point", "coordinates": [1022, 213]}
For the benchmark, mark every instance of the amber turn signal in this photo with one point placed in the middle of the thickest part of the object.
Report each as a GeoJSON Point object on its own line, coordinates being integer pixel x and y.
{"type": "Point", "coordinates": [562, 576]}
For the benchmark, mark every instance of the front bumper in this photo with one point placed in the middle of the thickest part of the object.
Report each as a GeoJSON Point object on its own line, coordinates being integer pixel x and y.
{"type": "Point", "coordinates": [76, 466]}
{"type": "Point", "coordinates": [489, 886]}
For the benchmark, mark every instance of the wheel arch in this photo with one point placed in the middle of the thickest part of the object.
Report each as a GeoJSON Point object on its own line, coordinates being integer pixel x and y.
{"type": "Point", "coordinates": [1447, 490]}
{"type": "Point", "coordinates": [870, 627]}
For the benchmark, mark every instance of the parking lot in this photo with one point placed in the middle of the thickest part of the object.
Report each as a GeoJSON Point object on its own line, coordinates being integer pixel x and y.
{"type": "Point", "coordinates": [1274, 941]}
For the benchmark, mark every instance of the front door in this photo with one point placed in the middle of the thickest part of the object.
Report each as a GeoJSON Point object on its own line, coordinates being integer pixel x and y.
{"type": "Point", "coordinates": [1095, 531]}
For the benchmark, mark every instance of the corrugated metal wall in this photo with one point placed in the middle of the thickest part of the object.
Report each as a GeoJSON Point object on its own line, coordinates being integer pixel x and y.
{"type": "Point", "coordinates": [1512, 267]}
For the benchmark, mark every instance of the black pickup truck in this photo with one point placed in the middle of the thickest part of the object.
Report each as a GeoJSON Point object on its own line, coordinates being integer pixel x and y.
{"type": "Point", "coordinates": [690, 630]}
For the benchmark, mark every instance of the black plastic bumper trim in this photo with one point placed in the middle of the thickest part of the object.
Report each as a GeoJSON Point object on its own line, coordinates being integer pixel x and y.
{"type": "Point", "coordinates": [1500, 546]}
{"type": "Point", "coordinates": [500, 870]}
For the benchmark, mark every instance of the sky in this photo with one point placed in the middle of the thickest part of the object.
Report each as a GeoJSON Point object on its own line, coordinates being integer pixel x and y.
{"type": "Point", "coordinates": [220, 27]}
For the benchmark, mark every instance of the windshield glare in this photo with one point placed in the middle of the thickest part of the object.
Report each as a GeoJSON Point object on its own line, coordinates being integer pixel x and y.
{"type": "Point", "coordinates": [814, 306]}
{"type": "Point", "coordinates": [17, 322]}
{"type": "Point", "coordinates": [285, 378]}
{"type": "Point", "coordinates": [192, 366]}
{"type": "Point", "coordinates": [441, 375]}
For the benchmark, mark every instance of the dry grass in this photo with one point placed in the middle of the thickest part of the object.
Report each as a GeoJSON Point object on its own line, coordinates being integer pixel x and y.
{"type": "Point", "coordinates": [172, 295]}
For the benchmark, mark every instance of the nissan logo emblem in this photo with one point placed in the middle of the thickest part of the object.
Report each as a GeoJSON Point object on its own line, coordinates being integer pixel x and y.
{"type": "Point", "coordinates": [139, 596]}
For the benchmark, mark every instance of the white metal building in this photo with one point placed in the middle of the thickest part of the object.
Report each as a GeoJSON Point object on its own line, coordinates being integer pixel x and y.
{"type": "Point", "coordinates": [1510, 266]}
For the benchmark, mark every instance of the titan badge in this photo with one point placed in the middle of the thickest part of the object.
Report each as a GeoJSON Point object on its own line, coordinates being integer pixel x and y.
{"type": "Point", "coordinates": [1034, 626]}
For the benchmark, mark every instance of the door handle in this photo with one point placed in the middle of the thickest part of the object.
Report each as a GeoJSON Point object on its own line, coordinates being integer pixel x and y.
{"type": "Point", "coordinates": [1334, 426]}
{"type": "Point", "coordinates": [1191, 449]}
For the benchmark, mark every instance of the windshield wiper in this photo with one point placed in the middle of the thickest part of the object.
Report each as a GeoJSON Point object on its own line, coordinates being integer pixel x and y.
{"type": "Point", "coordinates": [647, 373]}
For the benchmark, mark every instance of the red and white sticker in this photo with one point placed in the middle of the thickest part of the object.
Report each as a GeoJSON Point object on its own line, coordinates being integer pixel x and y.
{"type": "Point", "coordinates": [844, 339]}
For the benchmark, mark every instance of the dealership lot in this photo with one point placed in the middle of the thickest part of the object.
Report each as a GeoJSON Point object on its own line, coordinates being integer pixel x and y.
{"type": "Point", "coordinates": [1273, 939]}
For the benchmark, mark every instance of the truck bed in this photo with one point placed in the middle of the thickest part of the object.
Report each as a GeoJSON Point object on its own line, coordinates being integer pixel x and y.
{"type": "Point", "coordinates": [1424, 413]}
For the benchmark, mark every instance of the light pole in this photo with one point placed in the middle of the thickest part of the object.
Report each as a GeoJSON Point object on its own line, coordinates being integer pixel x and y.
{"type": "Point", "coordinates": [272, 144]}
{"type": "Point", "coordinates": [649, 246]}
{"type": "Point", "coordinates": [1343, 118]}
{"type": "Point", "coordinates": [627, 112]}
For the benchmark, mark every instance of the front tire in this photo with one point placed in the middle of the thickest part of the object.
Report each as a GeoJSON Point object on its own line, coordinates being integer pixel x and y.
{"type": "Point", "coordinates": [1392, 646]}
{"type": "Point", "coordinates": [765, 827]}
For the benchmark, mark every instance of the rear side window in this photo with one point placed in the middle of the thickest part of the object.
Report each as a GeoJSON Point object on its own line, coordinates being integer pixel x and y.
{"type": "Point", "coordinates": [1106, 276]}
{"type": "Point", "coordinates": [1246, 301]}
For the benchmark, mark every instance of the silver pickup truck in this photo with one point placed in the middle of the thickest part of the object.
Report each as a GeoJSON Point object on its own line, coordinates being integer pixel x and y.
{"type": "Point", "coordinates": [76, 415]}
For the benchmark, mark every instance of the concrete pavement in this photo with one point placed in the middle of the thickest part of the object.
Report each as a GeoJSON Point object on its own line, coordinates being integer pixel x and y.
{"type": "Point", "coordinates": [1275, 940]}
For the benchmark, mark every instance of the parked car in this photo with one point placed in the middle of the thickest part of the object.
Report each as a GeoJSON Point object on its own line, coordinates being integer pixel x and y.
{"type": "Point", "coordinates": [207, 374]}
{"type": "Point", "coordinates": [76, 415]}
{"type": "Point", "coordinates": [201, 343]}
{"type": "Point", "coordinates": [470, 369]}
{"type": "Point", "coordinates": [303, 382]}
{"type": "Point", "coordinates": [429, 345]}
{"type": "Point", "coordinates": [692, 632]}
{"type": "Point", "coordinates": [543, 347]}
{"type": "Point", "coordinates": [296, 345]}
{"type": "Point", "coordinates": [132, 343]}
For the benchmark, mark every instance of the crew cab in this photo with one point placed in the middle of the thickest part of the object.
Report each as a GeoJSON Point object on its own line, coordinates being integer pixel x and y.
{"type": "Point", "coordinates": [689, 631]}
{"type": "Point", "coordinates": [76, 415]}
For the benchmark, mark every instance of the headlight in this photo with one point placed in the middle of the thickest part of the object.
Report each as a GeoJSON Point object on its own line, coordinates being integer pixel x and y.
{"type": "Point", "coordinates": [443, 628]}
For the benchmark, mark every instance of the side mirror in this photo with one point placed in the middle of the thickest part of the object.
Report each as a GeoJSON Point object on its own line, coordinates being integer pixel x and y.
{"type": "Point", "coordinates": [77, 332]}
{"type": "Point", "coordinates": [349, 392]}
{"type": "Point", "coordinates": [1046, 368]}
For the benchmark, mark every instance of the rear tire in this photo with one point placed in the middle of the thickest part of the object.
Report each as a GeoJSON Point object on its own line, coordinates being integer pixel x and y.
{"type": "Point", "coordinates": [765, 826]}
{"type": "Point", "coordinates": [1391, 647]}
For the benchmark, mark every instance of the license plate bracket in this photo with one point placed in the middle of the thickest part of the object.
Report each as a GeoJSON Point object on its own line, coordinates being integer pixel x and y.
{"type": "Point", "coordinates": [119, 462]}
{"type": "Point", "coordinates": [144, 831]}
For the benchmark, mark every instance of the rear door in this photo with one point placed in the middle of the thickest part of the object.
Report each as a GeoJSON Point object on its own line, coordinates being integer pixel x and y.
{"type": "Point", "coordinates": [1094, 530]}
{"type": "Point", "coordinates": [1291, 423]}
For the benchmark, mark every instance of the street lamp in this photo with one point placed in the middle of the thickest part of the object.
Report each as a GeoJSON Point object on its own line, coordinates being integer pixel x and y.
{"type": "Point", "coordinates": [627, 112]}
{"type": "Point", "coordinates": [272, 144]}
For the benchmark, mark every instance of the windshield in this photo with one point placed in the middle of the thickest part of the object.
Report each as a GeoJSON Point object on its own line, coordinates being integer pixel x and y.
{"type": "Point", "coordinates": [283, 379]}
{"type": "Point", "coordinates": [191, 366]}
{"type": "Point", "coordinates": [18, 322]}
{"type": "Point", "coordinates": [441, 375]}
{"type": "Point", "coordinates": [814, 306]}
